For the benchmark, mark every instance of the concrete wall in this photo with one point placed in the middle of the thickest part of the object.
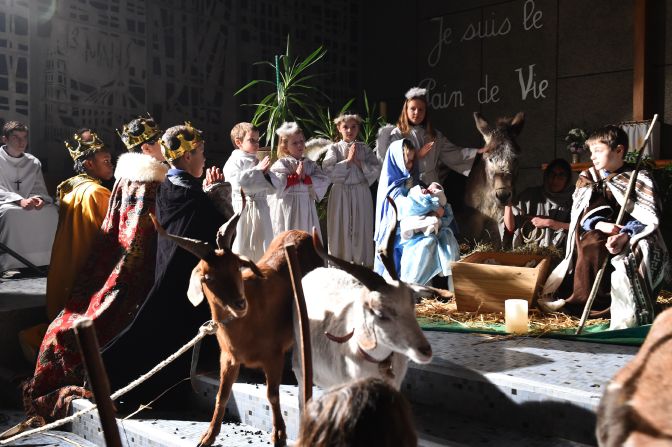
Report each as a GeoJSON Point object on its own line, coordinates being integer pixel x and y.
{"type": "Point", "coordinates": [565, 63]}
{"type": "Point", "coordinates": [66, 64]}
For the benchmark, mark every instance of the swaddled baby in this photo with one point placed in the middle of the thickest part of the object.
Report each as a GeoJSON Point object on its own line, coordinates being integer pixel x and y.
{"type": "Point", "coordinates": [415, 217]}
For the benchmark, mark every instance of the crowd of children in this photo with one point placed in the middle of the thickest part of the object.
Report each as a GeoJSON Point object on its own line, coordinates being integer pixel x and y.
{"type": "Point", "coordinates": [125, 280]}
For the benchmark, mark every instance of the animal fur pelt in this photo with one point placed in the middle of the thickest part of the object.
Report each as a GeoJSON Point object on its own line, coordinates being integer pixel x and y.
{"type": "Point", "coordinates": [139, 167]}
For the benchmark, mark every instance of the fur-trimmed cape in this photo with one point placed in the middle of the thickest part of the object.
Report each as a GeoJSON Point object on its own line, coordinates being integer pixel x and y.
{"type": "Point", "coordinates": [138, 167]}
{"type": "Point", "coordinates": [110, 289]}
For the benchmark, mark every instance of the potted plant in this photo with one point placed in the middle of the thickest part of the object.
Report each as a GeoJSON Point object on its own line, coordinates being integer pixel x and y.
{"type": "Point", "coordinates": [576, 143]}
{"type": "Point", "coordinates": [292, 98]}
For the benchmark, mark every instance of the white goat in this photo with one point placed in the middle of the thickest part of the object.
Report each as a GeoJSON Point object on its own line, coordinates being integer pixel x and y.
{"type": "Point", "coordinates": [361, 325]}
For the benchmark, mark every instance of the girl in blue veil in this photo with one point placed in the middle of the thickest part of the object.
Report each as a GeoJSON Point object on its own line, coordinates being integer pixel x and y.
{"type": "Point", "coordinates": [398, 175]}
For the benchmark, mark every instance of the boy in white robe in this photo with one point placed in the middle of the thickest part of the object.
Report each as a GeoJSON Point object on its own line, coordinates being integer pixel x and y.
{"type": "Point", "coordinates": [28, 217]}
{"type": "Point", "coordinates": [352, 167]}
{"type": "Point", "coordinates": [243, 170]}
{"type": "Point", "coordinates": [301, 183]}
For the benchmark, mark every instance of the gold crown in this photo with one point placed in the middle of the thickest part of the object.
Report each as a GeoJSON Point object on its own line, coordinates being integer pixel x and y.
{"type": "Point", "coordinates": [138, 131]}
{"type": "Point", "coordinates": [84, 147]}
{"type": "Point", "coordinates": [187, 143]}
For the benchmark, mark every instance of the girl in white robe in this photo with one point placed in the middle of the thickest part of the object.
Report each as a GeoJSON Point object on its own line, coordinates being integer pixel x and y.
{"type": "Point", "coordinates": [431, 145]}
{"type": "Point", "coordinates": [352, 167]}
{"type": "Point", "coordinates": [301, 183]}
{"type": "Point", "coordinates": [254, 231]}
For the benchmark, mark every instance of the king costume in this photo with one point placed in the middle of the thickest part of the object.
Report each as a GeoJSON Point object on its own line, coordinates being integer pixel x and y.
{"type": "Point", "coordinates": [635, 275]}
{"type": "Point", "coordinates": [167, 320]}
{"type": "Point", "coordinates": [30, 233]}
{"type": "Point", "coordinates": [110, 290]}
{"type": "Point", "coordinates": [82, 202]}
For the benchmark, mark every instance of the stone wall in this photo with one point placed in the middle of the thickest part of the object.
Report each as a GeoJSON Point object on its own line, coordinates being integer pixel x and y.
{"type": "Point", "coordinates": [565, 63]}
{"type": "Point", "coordinates": [66, 64]}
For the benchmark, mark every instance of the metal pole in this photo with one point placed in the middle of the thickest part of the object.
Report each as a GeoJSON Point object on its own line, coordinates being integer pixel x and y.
{"type": "Point", "coordinates": [21, 259]}
{"type": "Point", "coordinates": [304, 325]}
{"type": "Point", "coordinates": [619, 221]}
{"type": "Point", "coordinates": [95, 370]}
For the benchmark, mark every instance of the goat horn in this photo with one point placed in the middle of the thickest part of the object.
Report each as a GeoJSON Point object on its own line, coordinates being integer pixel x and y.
{"type": "Point", "coordinates": [198, 248]}
{"type": "Point", "coordinates": [365, 275]}
{"type": "Point", "coordinates": [228, 230]}
{"type": "Point", "coordinates": [387, 252]}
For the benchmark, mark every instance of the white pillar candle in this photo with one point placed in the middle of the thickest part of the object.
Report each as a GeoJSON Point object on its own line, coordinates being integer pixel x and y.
{"type": "Point", "coordinates": [515, 316]}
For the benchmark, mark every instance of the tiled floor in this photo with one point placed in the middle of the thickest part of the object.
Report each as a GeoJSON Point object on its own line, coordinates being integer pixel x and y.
{"type": "Point", "coordinates": [54, 438]}
{"type": "Point", "coordinates": [514, 378]}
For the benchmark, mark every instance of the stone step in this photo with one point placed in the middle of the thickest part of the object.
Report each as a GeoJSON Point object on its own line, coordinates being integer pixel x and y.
{"type": "Point", "coordinates": [434, 427]}
{"type": "Point", "coordinates": [535, 386]}
{"type": "Point", "coordinates": [181, 429]}
{"type": "Point", "coordinates": [22, 305]}
{"type": "Point", "coordinates": [539, 385]}
{"type": "Point", "coordinates": [51, 438]}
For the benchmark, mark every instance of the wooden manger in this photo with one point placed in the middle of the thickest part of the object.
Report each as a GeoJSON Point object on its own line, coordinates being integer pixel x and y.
{"type": "Point", "coordinates": [483, 287]}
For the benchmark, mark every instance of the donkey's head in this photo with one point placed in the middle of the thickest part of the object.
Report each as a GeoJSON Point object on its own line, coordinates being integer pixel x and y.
{"type": "Point", "coordinates": [500, 155]}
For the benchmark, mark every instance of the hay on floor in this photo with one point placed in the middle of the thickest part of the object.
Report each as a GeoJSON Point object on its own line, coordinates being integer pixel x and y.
{"type": "Point", "coordinates": [446, 312]}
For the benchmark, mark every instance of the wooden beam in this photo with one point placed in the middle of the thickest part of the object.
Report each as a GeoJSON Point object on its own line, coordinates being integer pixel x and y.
{"type": "Point", "coordinates": [640, 73]}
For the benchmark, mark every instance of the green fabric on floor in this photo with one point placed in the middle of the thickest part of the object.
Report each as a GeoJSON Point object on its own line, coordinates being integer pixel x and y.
{"type": "Point", "coordinates": [596, 334]}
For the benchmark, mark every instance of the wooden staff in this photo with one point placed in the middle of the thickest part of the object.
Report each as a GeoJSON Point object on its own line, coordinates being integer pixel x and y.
{"type": "Point", "coordinates": [100, 385]}
{"type": "Point", "coordinates": [304, 326]}
{"type": "Point", "coordinates": [619, 221]}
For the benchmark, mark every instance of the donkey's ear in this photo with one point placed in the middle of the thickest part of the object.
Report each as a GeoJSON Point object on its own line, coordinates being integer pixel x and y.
{"type": "Point", "coordinates": [517, 123]}
{"type": "Point", "coordinates": [195, 291]}
{"type": "Point", "coordinates": [482, 126]}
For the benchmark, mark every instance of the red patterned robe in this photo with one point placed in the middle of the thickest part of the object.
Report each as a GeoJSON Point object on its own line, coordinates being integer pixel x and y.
{"type": "Point", "coordinates": [110, 289]}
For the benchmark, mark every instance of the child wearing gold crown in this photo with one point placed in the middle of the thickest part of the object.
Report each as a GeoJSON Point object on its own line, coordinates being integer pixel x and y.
{"type": "Point", "coordinates": [82, 203]}
{"type": "Point", "coordinates": [301, 183]}
{"type": "Point", "coordinates": [114, 282]}
{"type": "Point", "coordinates": [185, 207]}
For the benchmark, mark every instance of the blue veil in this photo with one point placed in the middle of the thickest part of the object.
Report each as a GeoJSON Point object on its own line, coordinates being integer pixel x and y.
{"type": "Point", "coordinates": [393, 182]}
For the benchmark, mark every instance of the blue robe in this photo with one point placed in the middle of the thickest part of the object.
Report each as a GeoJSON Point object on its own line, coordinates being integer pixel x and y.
{"type": "Point", "coordinates": [425, 256]}
{"type": "Point", "coordinates": [395, 181]}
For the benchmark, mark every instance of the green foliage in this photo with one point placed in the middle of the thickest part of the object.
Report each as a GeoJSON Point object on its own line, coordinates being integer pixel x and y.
{"type": "Point", "coordinates": [293, 97]}
{"type": "Point", "coordinates": [576, 140]}
{"type": "Point", "coordinates": [646, 162]}
{"type": "Point", "coordinates": [371, 122]}
{"type": "Point", "coordinates": [324, 126]}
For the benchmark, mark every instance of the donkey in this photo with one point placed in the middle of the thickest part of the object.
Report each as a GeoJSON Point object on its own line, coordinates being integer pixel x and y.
{"type": "Point", "coordinates": [490, 185]}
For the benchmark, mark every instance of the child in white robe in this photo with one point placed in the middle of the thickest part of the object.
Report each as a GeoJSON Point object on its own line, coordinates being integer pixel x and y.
{"type": "Point", "coordinates": [243, 170]}
{"type": "Point", "coordinates": [431, 146]}
{"type": "Point", "coordinates": [301, 183]}
{"type": "Point", "coordinates": [352, 167]}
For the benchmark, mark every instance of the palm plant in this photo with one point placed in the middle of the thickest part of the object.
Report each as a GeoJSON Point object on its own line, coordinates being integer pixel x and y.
{"type": "Point", "coordinates": [293, 96]}
{"type": "Point", "coordinates": [324, 122]}
{"type": "Point", "coordinates": [371, 122]}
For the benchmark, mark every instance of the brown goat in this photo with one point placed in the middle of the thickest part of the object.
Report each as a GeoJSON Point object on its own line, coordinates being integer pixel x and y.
{"type": "Point", "coordinates": [254, 310]}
